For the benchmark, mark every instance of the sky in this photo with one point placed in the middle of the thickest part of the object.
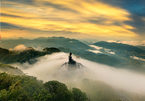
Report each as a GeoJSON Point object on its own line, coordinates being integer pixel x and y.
{"type": "Point", "coordinates": [87, 19]}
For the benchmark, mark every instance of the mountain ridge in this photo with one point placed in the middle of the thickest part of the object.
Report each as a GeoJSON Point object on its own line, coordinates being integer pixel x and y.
{"type": "Point", "coordinates": [113, 54]}
{"type": "Point", "coordinates": [10, 69]}
{"type": "Point", "coordinates": [28, 55]}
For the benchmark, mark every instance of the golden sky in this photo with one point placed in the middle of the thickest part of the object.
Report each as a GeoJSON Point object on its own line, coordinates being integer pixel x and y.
{"type": "Point", "coordinates": [80, 18]}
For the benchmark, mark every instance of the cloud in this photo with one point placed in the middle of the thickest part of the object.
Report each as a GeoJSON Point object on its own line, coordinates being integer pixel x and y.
{"type": "Point", "coordinates": [135, 8]}
{"type": "Point", "coordinates": [48, 68]}
{"type": "Point", "coordinates": [15, 33]}
{"type": "Point", "coordinates": [130, 42]}
{"type": "Point", "coordinates": [8, 26]}
{"type": "Point", "coordinates": [19, 47]}
{"type": "Point", "coordinates": [134, 43]}
{"type": "Point", "coordinates": [137, 58]}
{"type": "Point", "coordinates": [74, 16]}
{"type": "Point", "coordinates": [143, 42]}
{"type": "Point", "coordinates": [95, 51]}
{"type": "Point", "coordinates": [96, 47]}
{"type": "Point", "coordinates": [111, 41]}
{"type": "Point", "coordinates": [22, 47]}
{"type": "Point", "coordinates": [109, 51]}
{"type": "Point", "coordinates": [38, 48]}
{"type": "Point", "coordinates": [99, 48]}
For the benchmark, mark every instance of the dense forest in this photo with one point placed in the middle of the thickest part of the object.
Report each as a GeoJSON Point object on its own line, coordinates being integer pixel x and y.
{"type": "Point", "coordinates": [28, 88]}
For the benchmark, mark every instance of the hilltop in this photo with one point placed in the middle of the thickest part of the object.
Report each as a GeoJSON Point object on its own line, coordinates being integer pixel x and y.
{"type": "Point", "coordinates": [27, 55]}
{"type": "Point", "coordinates": [10, 69]}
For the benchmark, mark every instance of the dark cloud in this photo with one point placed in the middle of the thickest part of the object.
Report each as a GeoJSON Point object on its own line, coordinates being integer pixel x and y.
{"type": "Point", "coordinates": [57, 6]}
{"type": "Point", "coordinates": [9, 15]}
{"type": "Point", "coordinates": [133, 6]}
{"type": "Point", "coordinates": [12, 27]}
{"type": "Point", "coordinates": [45, 3]}
{"type": "Point", "coordinates": [101, 21]}
{"type": "Point", "coordinates": [28, 2]}
{"type": "Point", "coordinates": [137, 10]}
{"type": "Point", "coordinates": [138, 23]}
{"type": "Point", "coordinates": [9, 26]}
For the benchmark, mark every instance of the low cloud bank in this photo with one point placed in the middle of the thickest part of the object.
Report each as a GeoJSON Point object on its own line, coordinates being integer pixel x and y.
{"type": "Point", "coordinates": [134, 43]}
{"type": "Point", "coordinates": [19, 47]}
{"type": "Point", "coordinates": [137, 58]}
{"type": "Point", "coordinates": [99, 48]}
{"type": "Point", "coordinates": [22, 47]}
{"type": "Point", "coordinates": [49, 65]}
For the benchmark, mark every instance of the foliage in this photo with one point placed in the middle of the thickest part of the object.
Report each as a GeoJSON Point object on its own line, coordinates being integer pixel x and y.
{"type": "Point", "coordinates": [28, 88]}
{"type": "Point", "coordinates": [10, 69]}
{"type": "Point", "coordinates": [78, 95]}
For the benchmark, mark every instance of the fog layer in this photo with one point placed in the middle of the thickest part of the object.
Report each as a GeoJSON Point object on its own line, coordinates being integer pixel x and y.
{"type": "Point", "coordinates": [48, 66]}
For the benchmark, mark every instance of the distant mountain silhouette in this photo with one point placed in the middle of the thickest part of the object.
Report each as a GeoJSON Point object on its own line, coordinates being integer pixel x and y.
{"type": "Point", "coordinates": [45, 42]}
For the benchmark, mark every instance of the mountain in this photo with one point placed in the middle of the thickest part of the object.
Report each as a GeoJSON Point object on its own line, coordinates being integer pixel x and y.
{"type": "Point", "coordinates": [122, 49]}
{"type": "Point", "coordinates": [113, 54]}
{"type": "Point", "coordinates": [27, 55]}
{"type": "Point", "coordinates": [99, 58]}
{"type": "Point", "coordinates": [29, 88]}
{"type": "Point", "coordinates": [10, 69]}
{"type": "Point", "coordinates": [67, 43]}
{"type": "Point", "coordinates": [131, 57]}
{"type": "Point", "coordinates": [119, 46]}
{"type": "Point", "coordinates": [142, 47]}
{"type": "Point", "coordinates": [45, 42]}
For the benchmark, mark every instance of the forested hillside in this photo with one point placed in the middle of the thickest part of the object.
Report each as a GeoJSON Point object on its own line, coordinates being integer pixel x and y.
{"type": "Point", "coordinates": [27, 55]}
{"type": "Point", "coordinates": [10, 69]}
{"type": "Point", "coordinates": [28, 88]}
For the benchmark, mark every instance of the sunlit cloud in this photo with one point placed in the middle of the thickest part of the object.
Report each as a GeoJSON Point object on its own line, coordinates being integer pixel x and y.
{"type": "Point", "coordinates": [19, 47]}
{"type": "Point", "coordinates": [99, 48]}
{"type": "Point", "coordinates": [74, 16]}
{"type": "Point", "coordinates": [134, 43]}
{"type": "Point", "coordinates": [137, 58]}
{"type": "Point", "coordinates": [16, 33]}
{"type": "Point", "coordinates": [109, 51]}
{"type": "Point", "coordinates": [143, 42]}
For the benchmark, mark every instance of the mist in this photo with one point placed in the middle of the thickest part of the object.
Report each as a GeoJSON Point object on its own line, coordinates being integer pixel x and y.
{"type": "Point", "coordinates": [49, 67]}
{"type": "Point", "coordinates": [19, 47]}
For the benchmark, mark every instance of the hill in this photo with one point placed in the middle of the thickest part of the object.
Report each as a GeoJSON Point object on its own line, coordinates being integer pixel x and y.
{"type": "Point", "coordinates": [10, 70]}
{"type": "Point", "coordinates": [122, 48]}
{"type": "Point", "coordinates": [142, 47]}
{"type": "Point", "coordinates": [131, 57]}
{"type": "Point", "coordinates": [28, 88]}
{"type": "Point", "coordinates": [45, 42]}
{"type": "Point", "coordinates": [113, 54]}
{"type": "Point", "coordinates": [27, 55]}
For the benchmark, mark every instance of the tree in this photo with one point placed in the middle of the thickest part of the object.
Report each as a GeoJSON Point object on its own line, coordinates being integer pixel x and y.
{"type": "Point", "coordinates": [78, 95]}
{"type": "Point", "coordinates": [58, 91]}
